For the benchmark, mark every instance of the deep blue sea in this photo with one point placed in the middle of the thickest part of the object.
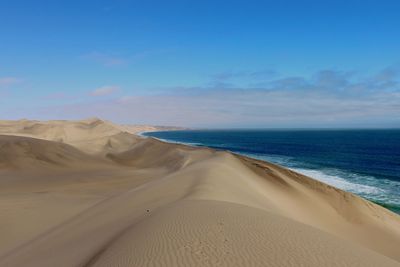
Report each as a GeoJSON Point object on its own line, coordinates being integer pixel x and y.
{"type": "Point", "coordinates": [364, 162]}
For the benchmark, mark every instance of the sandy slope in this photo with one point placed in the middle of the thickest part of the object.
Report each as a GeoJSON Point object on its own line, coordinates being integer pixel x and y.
{"type": "Point", "coordinates": [91, 135]}
{"type": "Point", "coordinates": [105, 197]}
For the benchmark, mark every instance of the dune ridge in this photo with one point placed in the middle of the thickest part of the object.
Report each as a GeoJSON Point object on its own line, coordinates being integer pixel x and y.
{"type": "Point", "coordinates": [92, 193]}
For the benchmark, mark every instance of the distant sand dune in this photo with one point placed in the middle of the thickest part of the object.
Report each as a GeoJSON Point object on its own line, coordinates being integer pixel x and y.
{"type": "Point", "coordinates": [91, 193]}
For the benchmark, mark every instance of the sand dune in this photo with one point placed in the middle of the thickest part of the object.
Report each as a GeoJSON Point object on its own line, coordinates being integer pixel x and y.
{"type": "Point", "coordinates": [92, 135]}
{"type": "Point", "coordinates": [27, 153]}
{"type": "Point", "coordinates": [91, 193]}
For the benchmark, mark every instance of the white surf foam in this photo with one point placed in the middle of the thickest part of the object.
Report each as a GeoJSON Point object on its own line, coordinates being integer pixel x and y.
{"type": "Point", "coordinates": [340, 182]}
{"type": "Point", "coordinates": [382, 190]}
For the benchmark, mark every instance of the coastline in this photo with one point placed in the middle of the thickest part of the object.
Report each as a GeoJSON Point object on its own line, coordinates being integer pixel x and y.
{"type": "Point", "coordinates": [377, 190]}
{"type": "Point", "coordinates": [118, 196]}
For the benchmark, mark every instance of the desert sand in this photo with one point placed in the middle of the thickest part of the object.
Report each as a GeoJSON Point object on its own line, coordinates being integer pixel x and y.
{"type": "Point", "coordinates": [92, 193]}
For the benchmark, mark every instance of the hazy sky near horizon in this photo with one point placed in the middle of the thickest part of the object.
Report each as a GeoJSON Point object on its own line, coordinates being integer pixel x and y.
{"type": "Point", "coordinates": [203, 63]}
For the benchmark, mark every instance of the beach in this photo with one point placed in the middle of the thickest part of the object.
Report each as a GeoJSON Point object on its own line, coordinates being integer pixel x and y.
{"type": "Point", "coordinates": [94, 193]}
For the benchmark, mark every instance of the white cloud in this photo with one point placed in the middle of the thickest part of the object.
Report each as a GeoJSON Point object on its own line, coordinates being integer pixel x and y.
{"type": "Point", "coordinates": [105, 90]}
{"type": "Point", "coordinates": [248, 108]}
{"type": "Point", "coordinates": [5, 81]}
{"type": "Point", "coordinates": [326, 99]}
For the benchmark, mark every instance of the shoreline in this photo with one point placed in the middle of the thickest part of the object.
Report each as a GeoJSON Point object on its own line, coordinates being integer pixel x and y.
{"type": "Point", "coordinates": [118, 196]}
{"type": "Point", "coordinates": [364, 187]}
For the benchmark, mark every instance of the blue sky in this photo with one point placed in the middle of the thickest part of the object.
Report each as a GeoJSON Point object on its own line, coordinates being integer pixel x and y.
{"type": "Point", "coordinates": [202, 63]}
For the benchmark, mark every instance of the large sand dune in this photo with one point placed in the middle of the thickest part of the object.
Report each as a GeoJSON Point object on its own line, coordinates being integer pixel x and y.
{"type": "Point", "coordinates": [91, 193]}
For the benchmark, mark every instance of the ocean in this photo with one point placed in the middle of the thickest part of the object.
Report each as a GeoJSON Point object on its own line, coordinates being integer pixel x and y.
{"type": "Point", "coordinates": [364, 162]}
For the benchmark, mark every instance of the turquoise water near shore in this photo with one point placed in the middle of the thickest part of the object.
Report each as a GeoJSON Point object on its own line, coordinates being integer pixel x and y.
{"type": "Point", "coordinates": [364, 162]}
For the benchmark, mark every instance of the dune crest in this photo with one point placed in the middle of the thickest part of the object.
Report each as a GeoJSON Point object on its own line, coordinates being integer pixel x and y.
{"type": "Point", "coordinates": [92, 135]}
{"type": "Point", "coordinates": [91, 193]}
